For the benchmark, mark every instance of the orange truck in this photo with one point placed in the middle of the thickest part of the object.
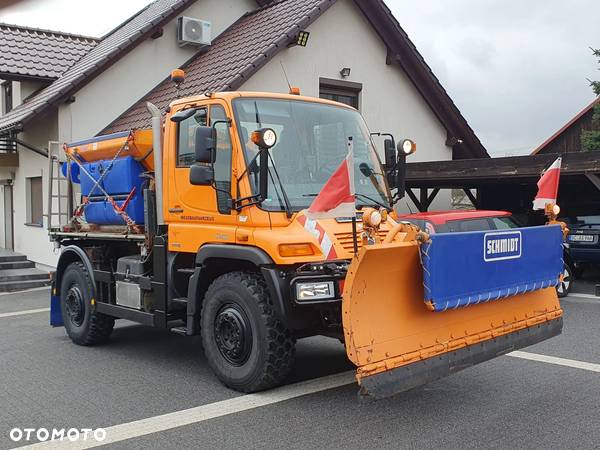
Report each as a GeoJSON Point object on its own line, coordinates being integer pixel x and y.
{"type": "Point", "coordinates": [198, 226]}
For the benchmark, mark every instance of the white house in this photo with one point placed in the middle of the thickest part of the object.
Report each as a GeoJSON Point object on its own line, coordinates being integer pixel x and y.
{"type": "Point", "coordinates": [356, 53]}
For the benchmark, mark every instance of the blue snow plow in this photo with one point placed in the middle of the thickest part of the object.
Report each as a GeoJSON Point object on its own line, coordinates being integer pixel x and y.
{"type": "Point", "coordinates": [462, 269]}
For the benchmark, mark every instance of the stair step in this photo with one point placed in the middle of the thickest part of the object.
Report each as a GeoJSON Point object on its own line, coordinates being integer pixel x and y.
{"type": "Point", "coordinates": [8, 257]}
{"type": "Point", "coordinates": [16, 265]}
{"type": "Point", "coordinates": [7, 286]}
{"type": "Point", "coordinates": [23, 275]}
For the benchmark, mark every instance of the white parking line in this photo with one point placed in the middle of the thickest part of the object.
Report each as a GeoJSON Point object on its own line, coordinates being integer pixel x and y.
{"type": "Point", "coordinates": [43, 288]}
{"type": "Point", "coordinates": [557, 361]}
{"type": "Point", "coordinates": [190, 416]}
{"type": "Point", "coordinates": [25, 312]}
{"type": "Point", "coordinates": [144, 427]}
{"type": "Point", "coordinates": [593, 297]}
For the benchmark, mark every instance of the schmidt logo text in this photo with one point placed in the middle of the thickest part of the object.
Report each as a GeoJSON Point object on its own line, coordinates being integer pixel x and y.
{"type": "Point", "coordinates": [502, 245]}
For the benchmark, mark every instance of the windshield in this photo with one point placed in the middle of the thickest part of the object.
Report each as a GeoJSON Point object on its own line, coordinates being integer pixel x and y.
{"type": "Point", "coordinates": [311, 143]}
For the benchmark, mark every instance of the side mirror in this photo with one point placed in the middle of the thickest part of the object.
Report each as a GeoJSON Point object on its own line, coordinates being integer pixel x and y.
{"type": "Point", "coordinates": [205, 143]}
{"type": "Point", "coordinates": [201, 175]}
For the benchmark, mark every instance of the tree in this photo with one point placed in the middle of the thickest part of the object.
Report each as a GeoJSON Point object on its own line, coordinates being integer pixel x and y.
{"type": "Point", "coordinates": [590, 139]}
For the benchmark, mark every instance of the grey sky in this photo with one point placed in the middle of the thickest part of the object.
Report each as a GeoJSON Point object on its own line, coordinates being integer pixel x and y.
{"type": "Point", "coordinates": [516, 69]}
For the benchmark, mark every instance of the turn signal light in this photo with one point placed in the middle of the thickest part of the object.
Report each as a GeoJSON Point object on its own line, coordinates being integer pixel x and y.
{"type": "Point", "coordinates": [296, 250]}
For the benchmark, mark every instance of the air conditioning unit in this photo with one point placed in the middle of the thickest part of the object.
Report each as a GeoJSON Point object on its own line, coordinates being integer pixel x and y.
{"type": "Point", "coordinates": [193, 32]}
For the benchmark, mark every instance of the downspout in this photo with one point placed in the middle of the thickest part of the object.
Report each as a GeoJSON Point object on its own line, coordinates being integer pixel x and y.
{"type": "Point", "coordinates": [158, 163]}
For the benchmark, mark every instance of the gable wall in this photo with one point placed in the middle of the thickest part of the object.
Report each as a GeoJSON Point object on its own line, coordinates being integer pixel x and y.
{"type": "Point", "coordinates": [129, 79]}
{"type": "Point", "coordinates": [342, 37]}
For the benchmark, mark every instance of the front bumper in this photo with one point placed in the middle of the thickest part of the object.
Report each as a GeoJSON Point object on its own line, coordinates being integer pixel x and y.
{"type": "Point", "coordinates": [409, 376]}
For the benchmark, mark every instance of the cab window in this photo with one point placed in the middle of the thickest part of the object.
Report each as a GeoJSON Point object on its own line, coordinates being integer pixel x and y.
{"type": "Point", "coordinates": [222, 164]}
{"type": "Point", "coordinates": [187, 138]}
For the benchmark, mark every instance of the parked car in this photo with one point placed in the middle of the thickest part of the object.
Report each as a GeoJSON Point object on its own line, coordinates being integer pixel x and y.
{"type": "Point", "coordinates": [584, 242]}
{"type": "Point", "coordinates": [480, 220]}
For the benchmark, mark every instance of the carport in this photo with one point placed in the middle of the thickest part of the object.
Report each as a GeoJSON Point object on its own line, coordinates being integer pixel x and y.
{"type": "Point", "coordinates": [509, 183]}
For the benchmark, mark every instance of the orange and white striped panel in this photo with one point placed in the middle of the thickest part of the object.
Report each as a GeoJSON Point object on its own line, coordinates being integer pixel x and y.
{"type": "Point", "coordinates": [325, 242]}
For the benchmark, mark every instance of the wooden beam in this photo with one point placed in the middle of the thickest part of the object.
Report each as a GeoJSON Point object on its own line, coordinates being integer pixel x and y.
{"type": "Point", "coordinates": [431, 197]}
{"type": "Point", "coordinates": [414, 199]}
{"type": "Point", "coordinates": [423, 200]}
{"type": "Point", "coordinates": [471, 173]}
{"type": "Point", "coordinates": [474, 200]}
{"type": "Point", "coordinates": [10, 159]}
{"type": "Point", "coordinates": [594, 179]}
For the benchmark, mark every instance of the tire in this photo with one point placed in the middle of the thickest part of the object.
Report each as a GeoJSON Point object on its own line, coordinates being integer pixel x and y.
{"type": "Point", "coordinates": [83, 325]}
{"type": "Point", "coordinates": [564, 287]}
{"type": "Point", "coordinates": [246, 345]}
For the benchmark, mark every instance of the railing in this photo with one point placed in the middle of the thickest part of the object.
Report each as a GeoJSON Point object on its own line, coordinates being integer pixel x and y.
{"type": "Point", "coordinates": [8, 144]}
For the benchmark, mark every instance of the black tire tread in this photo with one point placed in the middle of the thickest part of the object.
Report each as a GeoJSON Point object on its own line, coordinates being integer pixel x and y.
{"type": "Point", "coordinates": [101, 325]}
{"type": "Point", "coordinates": [281, 345]}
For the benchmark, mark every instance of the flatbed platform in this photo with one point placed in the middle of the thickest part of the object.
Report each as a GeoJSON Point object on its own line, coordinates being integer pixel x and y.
{"type": "Point", "coordinates": [96, 235]}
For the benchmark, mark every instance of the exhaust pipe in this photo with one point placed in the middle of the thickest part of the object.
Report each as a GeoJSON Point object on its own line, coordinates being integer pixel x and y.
{"type": "Point", "coordinates": [157, 146]}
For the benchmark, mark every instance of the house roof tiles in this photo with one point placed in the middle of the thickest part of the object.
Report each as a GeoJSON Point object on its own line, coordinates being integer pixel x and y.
{"type": "Point", "coordinates": [40, 54]}
{"type": "Point", "coordinates": [106, 52]}
{"type": "Point", "coordinates": [233, 57]}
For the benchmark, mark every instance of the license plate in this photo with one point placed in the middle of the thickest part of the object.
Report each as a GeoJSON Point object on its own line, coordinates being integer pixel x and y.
{"type": "Point", "coordinates": [581, 238]}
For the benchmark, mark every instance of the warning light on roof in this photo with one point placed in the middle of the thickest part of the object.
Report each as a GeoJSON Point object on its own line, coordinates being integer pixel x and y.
{"type": "Point", "coordinates": [177, 77]}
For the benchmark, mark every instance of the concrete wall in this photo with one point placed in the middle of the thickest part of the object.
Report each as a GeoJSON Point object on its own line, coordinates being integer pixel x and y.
{"type": "Point", "coordinates": [342, 37]}
{"type": "Point", "coordinates": [129, 79]}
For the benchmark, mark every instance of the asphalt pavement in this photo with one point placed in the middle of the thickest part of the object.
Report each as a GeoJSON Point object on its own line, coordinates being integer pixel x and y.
{"type": "Point", "coordinates": [47, 382]}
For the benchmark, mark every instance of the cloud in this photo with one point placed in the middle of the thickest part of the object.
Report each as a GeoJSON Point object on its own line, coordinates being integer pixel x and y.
{"type": "Point", "coordinates": [90, 18]}
{"type": "Point", "coordinates": [516, 69]}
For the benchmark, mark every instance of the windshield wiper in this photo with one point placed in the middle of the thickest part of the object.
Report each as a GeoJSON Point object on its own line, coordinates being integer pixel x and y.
{"type": "Point", "coordinates": [286, 200]}
{"type": "Point", "coordinates": [370, 199]}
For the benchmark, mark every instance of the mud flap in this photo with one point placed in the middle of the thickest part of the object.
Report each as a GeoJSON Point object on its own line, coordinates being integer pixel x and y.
{"type": "Point", "coordinates": [398, 342]}
{"type": "Point", "coordinates": [56, 319]}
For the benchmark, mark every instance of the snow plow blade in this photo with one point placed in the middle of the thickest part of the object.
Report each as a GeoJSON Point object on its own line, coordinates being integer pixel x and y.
{"type": "Point", "coordinates": [399, 339]}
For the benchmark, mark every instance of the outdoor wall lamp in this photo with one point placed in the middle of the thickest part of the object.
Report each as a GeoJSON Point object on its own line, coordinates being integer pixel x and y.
{"type": "Point", "coordinates": [345, 72]}
{"type": "Point", "coordinates": [302, 38]}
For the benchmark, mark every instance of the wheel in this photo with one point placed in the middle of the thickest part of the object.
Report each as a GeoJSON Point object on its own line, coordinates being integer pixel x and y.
{"type": "Point", "coordinates": [564, 287]}
{"type": "Point", "coordinates": [83, 325]}
{"type": "Point", "coordinates": [246, 345]}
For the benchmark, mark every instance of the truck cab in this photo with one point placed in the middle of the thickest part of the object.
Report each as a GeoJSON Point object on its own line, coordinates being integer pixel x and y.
{"type": "Point", "coordinates": [226, 249]}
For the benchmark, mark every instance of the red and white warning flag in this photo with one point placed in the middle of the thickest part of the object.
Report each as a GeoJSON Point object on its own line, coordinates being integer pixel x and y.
{"type": "Point", "coordinates": [336, 198]}
{"type": "Point", "coordinates": [548, 186]}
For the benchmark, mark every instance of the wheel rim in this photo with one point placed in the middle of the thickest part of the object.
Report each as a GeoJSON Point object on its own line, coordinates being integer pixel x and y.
{"type": "Point", "coordinates": [564, 285]}
{"type": "Point", "coordinates": [233, 335]}
{"type": "Point", "coordinates": [75, 306]}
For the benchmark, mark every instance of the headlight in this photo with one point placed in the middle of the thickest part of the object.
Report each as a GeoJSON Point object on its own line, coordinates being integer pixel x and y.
{"type": "Point", "coordinates": [315, 291]}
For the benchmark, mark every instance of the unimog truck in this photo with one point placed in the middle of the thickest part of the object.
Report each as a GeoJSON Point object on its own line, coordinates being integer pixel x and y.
{"type": "Point", "coordinates": [199, 226]}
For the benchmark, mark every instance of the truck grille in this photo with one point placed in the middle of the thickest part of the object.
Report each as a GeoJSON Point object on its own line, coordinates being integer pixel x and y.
{"type": "Point", "coordinates": [345, 239]}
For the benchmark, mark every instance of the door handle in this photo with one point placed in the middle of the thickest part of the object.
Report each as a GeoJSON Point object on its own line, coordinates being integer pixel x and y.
{"type": "Point", "coordinates": [176, 210]}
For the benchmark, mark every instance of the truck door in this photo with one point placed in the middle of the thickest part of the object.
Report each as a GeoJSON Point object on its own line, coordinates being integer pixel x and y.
{"type": "Point", "coordinates": [200, 214]}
